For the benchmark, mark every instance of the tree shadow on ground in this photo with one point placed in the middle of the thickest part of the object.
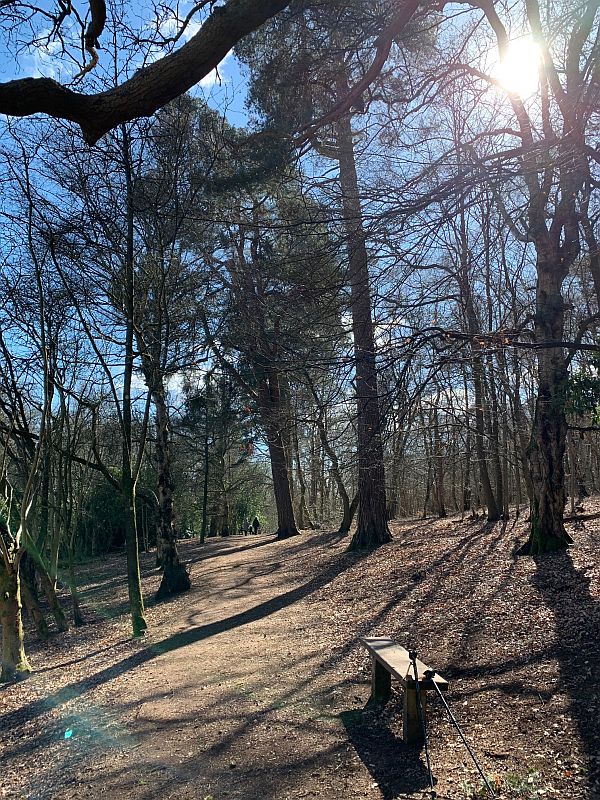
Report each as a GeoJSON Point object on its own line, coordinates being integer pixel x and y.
{"type": "Point", "coordinates": [397, 768]}
{"type": "Point", "coordinates": [72, 661]}
{"type": "Point", "coordinates": [232, 546]}
{"type": "Point", "coordinates": [226, 547]}
{"type": "Point", "coordinates": [178, 640]}
{"type": "Point", "coordinates": [566, 591]}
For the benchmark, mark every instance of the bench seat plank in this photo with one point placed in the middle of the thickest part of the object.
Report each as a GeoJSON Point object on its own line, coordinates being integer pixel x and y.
{"type": "Point", "coordinates": [390, 659]}
{"type": "Point", "coordinates": [395, 659]}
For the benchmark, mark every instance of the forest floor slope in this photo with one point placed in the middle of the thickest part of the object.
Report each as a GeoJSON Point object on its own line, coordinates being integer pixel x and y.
{"type": "Point", "coordinates": [253, 685]}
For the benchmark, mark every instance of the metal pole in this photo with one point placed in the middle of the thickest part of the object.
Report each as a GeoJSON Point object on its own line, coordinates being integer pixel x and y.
{"type": "Point", "coordinates": [430, 674]}
{"type": "Point", "coordinates": [413, 657]}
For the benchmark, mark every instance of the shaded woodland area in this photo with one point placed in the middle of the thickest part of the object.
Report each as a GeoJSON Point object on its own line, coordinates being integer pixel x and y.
{"type": "Point", "coordinates": [279, 267]}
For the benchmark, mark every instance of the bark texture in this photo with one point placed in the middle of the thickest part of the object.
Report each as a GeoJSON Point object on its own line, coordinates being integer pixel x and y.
{"type": "Point", "coordinates": [549, 433]}
{"type": "Point", "coordinates": [269, 401]}
{"type": "Point", "coordinates": [175, 577]}
{"type": "Point", "coordinates": [134, 582]}
{"type": "Point", "coordinates": [372, 529]}
{"type": "Point", "coordinates": [14, 661]}
{"type": "Point", "coordinates": [33, 607]}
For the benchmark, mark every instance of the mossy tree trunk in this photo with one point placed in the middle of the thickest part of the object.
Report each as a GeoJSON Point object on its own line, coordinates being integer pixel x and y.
{"type": "Point", "coordinates": [32, 605]}
{"type": "Point", "coordinates": [50, 591]}
{"type": "Point", "coordinates": [14, 661]}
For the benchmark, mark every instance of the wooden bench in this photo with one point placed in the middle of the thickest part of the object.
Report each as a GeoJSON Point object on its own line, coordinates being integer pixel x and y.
{"type": "Point", "coordinates": [389, 658]}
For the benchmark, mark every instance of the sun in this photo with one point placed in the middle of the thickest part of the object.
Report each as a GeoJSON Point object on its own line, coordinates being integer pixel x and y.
{"type": "Point", "coordinates": [518, 71]}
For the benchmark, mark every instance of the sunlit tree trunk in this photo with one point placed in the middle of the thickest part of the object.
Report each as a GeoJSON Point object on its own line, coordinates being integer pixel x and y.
{"type": "Point", "coordinates": [14, 661]}
{"type": "Point", "coordinates": [48, 587]}
{"type": "Point", "coordinates": [32, 605]}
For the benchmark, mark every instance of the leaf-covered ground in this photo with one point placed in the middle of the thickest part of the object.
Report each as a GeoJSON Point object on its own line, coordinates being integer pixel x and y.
{"type": "Point", "coordinates": [254, 684]}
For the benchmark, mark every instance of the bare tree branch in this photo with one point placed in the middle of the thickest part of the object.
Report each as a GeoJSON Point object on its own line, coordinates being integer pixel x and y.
{"type": "Point", "coordinates": [150, 88]}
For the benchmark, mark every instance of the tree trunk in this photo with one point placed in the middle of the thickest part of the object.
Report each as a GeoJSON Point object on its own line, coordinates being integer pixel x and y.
{"type": "Point", "coordinates": [572, 469]}
{"type": "Point", "coordinates": [14, 661]}
{"type": "Point", "coordinates": [134, 583]}
{"type": "Point", "coordinates": [521, 425]}
{"type": "Point", "coordinates": [270, 409]}
{"type": "Point", "coordinates": [206, 476]}
{"type": "Point", "coordinates": [348, 508]}
{"type": "Point", "coordinates": [348, 516]}
{"type": "Point", "coordinates": [505, 461]}
{"type": "Point", "coordinates": [312, 491]}
{"type": "Point", "coordinates": [427, 491]}
{"type": "Point", "coordinates": [48, 587]}
{"type": "Point", "coordinates": [30, 602]}
{"type": "Point", "coordinates": [489, 499]}
{"type": "Point", "coordinates": [286, 523]}
{"type": "Point", "coordinates": [548, 437]}
{"type": "Point", "coordinates": [494, 437]}
{"type": "Point", "coordinates": [393, 506]}
{"type": "Point", "coordinates": [473, 326]}
{"type": "Point", "coordinates": [175, 577]}
{"type": "Point", "coordinates": [466, 491]}
{"type": "Point", "coordinates": [304, 520]}
{"type": "Point", "coordinates": [78, 619]}
{"type": "Point", "coordinates": [438, 457]}
{"type": "Point", "coordinates": [372, 529]}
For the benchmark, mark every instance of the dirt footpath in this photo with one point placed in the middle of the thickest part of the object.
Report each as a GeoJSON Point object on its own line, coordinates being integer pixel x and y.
{"type": "Point", "coordinates": [253, 685]}
{"type": "Point", "coordinates": [239, 705]}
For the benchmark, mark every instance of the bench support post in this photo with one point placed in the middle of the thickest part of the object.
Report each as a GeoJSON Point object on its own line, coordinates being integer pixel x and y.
{"type": "Point", "coordinates": [381, 682]}
{"type": "Point", "coordinates": [412, 728]}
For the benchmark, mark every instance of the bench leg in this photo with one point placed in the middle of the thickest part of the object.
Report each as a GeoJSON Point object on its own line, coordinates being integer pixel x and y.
{"type": "Point", "coordinates": [381, 683]}
{"type": "Point", "coordinates": [412, 728]}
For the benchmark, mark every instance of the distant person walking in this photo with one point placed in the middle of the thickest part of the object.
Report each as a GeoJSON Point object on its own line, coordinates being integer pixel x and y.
{"type": "Point", "coordinates": [245, 525]}
{"type": "Point", "coordinates": [256, 525]}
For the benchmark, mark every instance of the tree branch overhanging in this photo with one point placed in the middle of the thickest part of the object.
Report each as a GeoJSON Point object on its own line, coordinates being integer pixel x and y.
{"type": "Point", "coordinates": [150, 88]}
{"type": "Point", "coordinates": [157, 84]}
